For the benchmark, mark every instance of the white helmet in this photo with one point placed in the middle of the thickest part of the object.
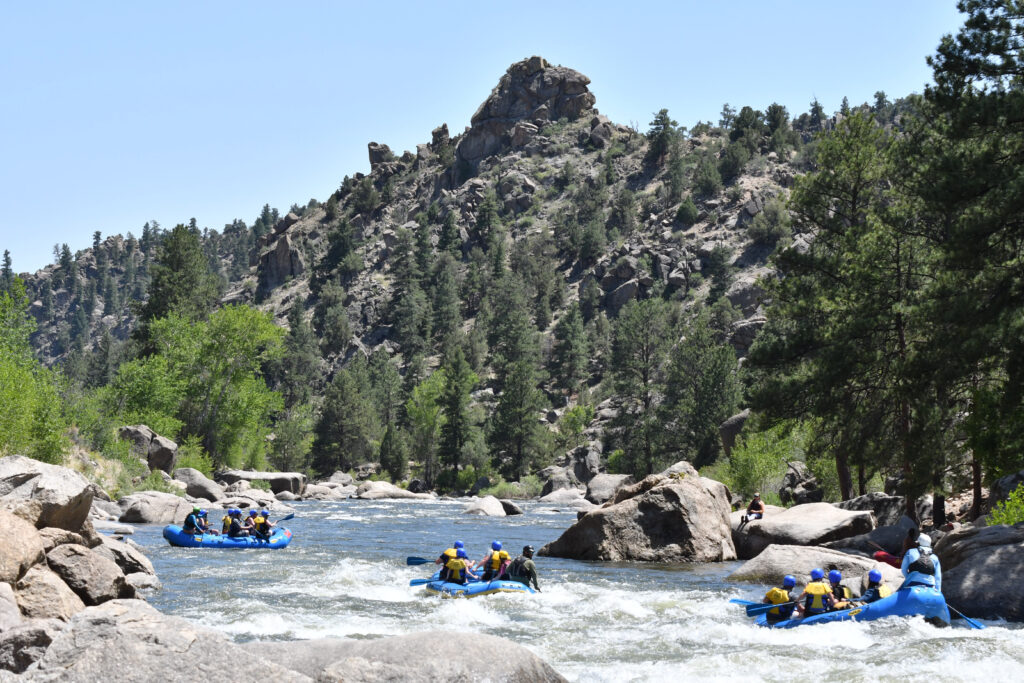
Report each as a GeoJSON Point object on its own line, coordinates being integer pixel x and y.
{"type": "Point", "coordinates": [924, 541]}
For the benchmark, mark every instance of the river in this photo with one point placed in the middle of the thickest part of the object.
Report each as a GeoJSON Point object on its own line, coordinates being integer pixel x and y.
{"type": "Point", "coordinates": [344, 575]}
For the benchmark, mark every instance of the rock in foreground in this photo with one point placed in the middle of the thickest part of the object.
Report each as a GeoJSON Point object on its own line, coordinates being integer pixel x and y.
{"type": "Point", "coordinates": [63, 495]}
{"type": "Point", "coordinates": [667, 519]}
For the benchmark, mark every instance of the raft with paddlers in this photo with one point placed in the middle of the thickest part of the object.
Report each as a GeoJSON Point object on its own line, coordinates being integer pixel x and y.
{"type": "Point", "coordinates": [471, 589]}
{"type": "Point", "coordinates": [907, 602]}
{"type": "Point", "coordinates": [279, 538]}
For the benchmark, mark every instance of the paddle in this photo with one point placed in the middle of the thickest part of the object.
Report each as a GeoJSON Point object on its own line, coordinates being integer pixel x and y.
{"type": "Point", "coordinates": [416, 560]}
{"type": "Point", "coordinates": [970, 622]}
{"type": "Point", "coordinates": [287, 517]}
{"type": "Point", "coordinates": [419, 582]}
{"type": "Point", "coordinates": [754, 610]}
{"type": "Point", "coordinates": [737, 601]}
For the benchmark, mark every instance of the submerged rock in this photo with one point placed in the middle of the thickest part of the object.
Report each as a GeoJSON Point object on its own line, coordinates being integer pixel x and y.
{"type": "Point", "coordinates": [488, 506]}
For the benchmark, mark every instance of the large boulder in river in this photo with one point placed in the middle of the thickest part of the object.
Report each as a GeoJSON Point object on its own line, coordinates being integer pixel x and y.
{"type": "Point", "coordinates": [809, 524]}
{"type": "Point", "coordinates": [427, 657]}
{"type": "Point", "coordinates": [980, 566]}
{"type": "Point", "coordinates": [154, 507]}
{"type": "Point", "coordinates": [488, 506]}
{"type": "Point", "coordinates": [886, 508]}
{"type": "Point", "coordinates": [279, 481]}
{"type": "Point", "coordinates": [670, 519]}
{"type": "Point", "coordinates": [198, 485]}
{"type": "Point", "coordinates": [64, 496]}
{"type": "Point", "coordinates": [602, 487]}
{"type": "Point", "coordinates": [374, 490]}
{"type": "Point", "coordinates": [94, 578]}
{"type": "Point", "coordinates": [888, 538]}
{"type": "Point", "coordinates": [21, 547]}
{"type": "Point", "coordinates": [558, 478]}
{"type": "Point", "coordinates": [776, 561]}
{"type": "Point", "coordinates": [133, 640]}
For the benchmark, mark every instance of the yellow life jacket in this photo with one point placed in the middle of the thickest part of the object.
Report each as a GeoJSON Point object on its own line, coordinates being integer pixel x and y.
{"type": "Point", "coordinates": [841, 592]}
{"type": "Point", "coordinates": [260, 523]}
{"type": "Point", "coordinates": [777, 596]}
{"type": "Point", "coordinates": [817, 594]}
{"type": "Point", "coordinates": [884, 591]}
{"type": "Point", "coordinates": [455, 567]}
{"type": "Point", "coordinates": [496, 559]}
{"type": "Point", "coordinates": [451, 553]}
{"type": "Point", "coordinates": [225, 524]}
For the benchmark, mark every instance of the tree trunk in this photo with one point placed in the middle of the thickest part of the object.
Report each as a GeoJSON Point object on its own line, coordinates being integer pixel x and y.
{"type": "Point", "coordinates": [976, 476]}
{"type": "Point", "coordinates": [862, 480]}
{"type": "Point", "coordinates": [845, 477]}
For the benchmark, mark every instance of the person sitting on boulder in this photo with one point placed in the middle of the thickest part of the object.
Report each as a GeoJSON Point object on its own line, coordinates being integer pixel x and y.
{"type": "Point", "coordinates": [446, 557]}
{"type": "Point", "coordinates": [781, 596]}
{"type": "Point", "coordinates": [494, 563]}
{"type": "Point", "coordinates": [458, 568]}
{"type": "Point", "coordinates": [237, 530]}
{"type": "Point", "coordinates": [523, 569]}
{"type": "Point", "coordinates": [841, 594]}
{"type": "Point", "coordinates": [921, 566]}
{"type": "Point", "coordinates": [754, 511]}
{"type": "Point", "coordinates": [816, 597]}
{"type": "Point", "coordinates": [876, 589]}
{"type": "Point", "coordinates": [191, 525]}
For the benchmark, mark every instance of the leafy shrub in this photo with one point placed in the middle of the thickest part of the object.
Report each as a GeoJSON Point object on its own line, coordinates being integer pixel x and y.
{"type": "Point", "coordinates": [771, 225]}
{"type": "Point", "coordinates": [687, 213]}
{"type": "Point", "coordinates": [191, 454]}
{"type": "Point", "coordinates": [1009, 511]}
{"type": "Point", "coordinates": [529, 486]}
{"type": "Point", "coordinates": [261, 484]}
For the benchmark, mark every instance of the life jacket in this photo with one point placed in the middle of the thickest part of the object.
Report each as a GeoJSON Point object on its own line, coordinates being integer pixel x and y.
{"type": "Point", "coordinates": [884, 591]}
{"type": "Point", "coordinates": [261, 525]}
{"type": "Point", "coordinates": [455, 568]}
{"type": "Point", "coordinates": [817, 598]}
{"type": "Point", "coordinates": [225, 524]}
{"type": "Point", "coordinates": [841, 592]}
{"type": "Point", "coordinates": [516, 568]}
{"type": "Point", "coordinates": [236, 527]}
{"type": "Point", "coordinates": [778, 596]}
{"type": "Point", "coordinates": [923, 564]}
{"type": "Point", "coordinates": [496, 559]}
{"type": "Point", "coordinates": [446, 557]}
{"type": "Point", "coordinates": [191, 523]}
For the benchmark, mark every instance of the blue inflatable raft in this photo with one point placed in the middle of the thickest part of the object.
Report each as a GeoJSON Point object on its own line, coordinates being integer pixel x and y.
{"type": "Point", "coordinates": [279, 538]}
{"type": "Point", "coordinates": [474, 588]}
{"type": "Point", "coordinates": [908, 602]}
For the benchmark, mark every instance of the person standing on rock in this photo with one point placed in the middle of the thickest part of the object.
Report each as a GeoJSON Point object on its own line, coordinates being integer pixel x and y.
{"type": "Point", "coordinates": [754, 511]}
{"type": "Point", "coordinates": [921, 566]}
{"type": "Point", "coordinates": [783, 597]}
{"type": "Point", "coordinates": [494, 563]}
{"type": "Point", "coordinates": [523, 568]}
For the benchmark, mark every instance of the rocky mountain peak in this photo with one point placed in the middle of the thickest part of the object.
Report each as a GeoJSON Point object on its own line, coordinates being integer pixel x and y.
{"type": "Point", "coordinates": [531, 92]}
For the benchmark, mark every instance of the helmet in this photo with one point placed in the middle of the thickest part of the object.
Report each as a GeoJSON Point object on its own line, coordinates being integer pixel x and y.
{"type": "Point", "coordinates": [203, 513]}
{"type": "Point", "coordinates": [459, 544]}
{"type": "Point", "coordinates": [461, 553]}
{"type": "Point", "coordinates": [496, 545]}
{"type": "Point", "coordinates": [788, 581]}
{"type": "Point", "coordinates": [527, 550]}
{"type": "Point", "coordinates": [874, 576]}
{"type": "Point", "coordinates": [195, 511]}
{"type": "Point", "coordinates": [817, 574]}
{"type": "Point", "coordinates": [757, 495]}
{"type": "Point", "coordinates": [835, 576]}
{"type": "Point", "coordinates": [924, 541]}
{"type": "Point", "coordinates": [252, 513]}
{"type": "Point", "coordinates": [264, 512]}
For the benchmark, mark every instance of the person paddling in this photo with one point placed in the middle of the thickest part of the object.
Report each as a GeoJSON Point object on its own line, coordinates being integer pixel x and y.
{"type": "Point", "coordinates": [921, 566]}
{"type": "Point", "coordinates": [494, 563]}
{"type": "Point", "coordinates": [459, 568]}
{"type": "Point", "coordinates": [876, 589]}
{"type": "Point", "coordinates": [236, 529]}
{"type": "Point", "coordinates": [523, 569]}
{"type": "Point", "coordinates": [816, 597]}
{"type": "Point", "coordinates": [446, 557]}
{"type": "Point", "coordinates": [841, 594]}
{"type": "Point", "coordinates": [781, 596]}
{"type": "Point", "coordinates": [191, 525]}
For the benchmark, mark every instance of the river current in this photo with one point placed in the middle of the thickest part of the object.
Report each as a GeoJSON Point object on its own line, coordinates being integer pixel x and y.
{"type": "Point", "coordinates": [345, 575]}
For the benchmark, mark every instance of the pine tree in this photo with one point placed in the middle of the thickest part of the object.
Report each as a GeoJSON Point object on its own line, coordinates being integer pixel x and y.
{"type": "Point", "coordinates": [457, 427]}
{"type": "Point", "coordinates": [450, 240]}
{"type": "Point", "coordinates": [393, 454]}
{"type": "Point", "coordinates": [660, 135]}
{"type": "Point", "coordinates": [572, 350]}
{"type": "Point", "coordinates": [516, 430]}
{"type": "Point", "coordinates": [344, 433]}
{"type": "Point", "coordinates": [6, 273]}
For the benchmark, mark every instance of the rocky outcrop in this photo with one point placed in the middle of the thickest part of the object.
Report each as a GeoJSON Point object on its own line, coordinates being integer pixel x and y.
{"type": "Point", "coordinates": [886, 508]}
{"type": "Point", "coordinates": [977, 563]}
{"type": "Point", "coordinates": [531, 90]}
{"type": "Point", "coordinates": [888, 538]}
{"type": "Point", "coordinates": [197, 485]}
{"type": "Point", "coordinates": [375, 490]}
{"type": "Point", "coordinates": [139, 643]}
{"type": "Point", "coordinates": [429, 656]}
{"type": "Point", "coordinates": [283, 260]}
{"type": "Point", "coordinates": [669, 519]}
{"type": "Point", "coordinates": [809, 524]}
{"type": "Point", "coordinates": [487, 506]}
{"type": "Point", "coordinates": [799, 486]}
{"type": "Point", "coordinates": [730, 429]}
{"type": "Point", "coordinates": [159, 452]}
{"type": "Point", "coordinates": [1003, 487]}
{"type": "Point", "coordinates": [22, 547]}
{"type": "Point", "coordinates": [343, 478]}
{"type": "Point", "coordinates": [279, 481]}
{"type": "Point", "coordinates": [154, 507]}
{"type": "Point", "coordinates": [41, 594]}
{"type": "Point", "coordinates": [602, 487]}
{"type": "Point", "coordinates": [94, 578]}
{"type": "Point", "coordinates": [557, 478]}
{"type": "Point", "coordinates": [10, 614]}
{"type": "Point", "coordinates": [58, 496]}
{"type": "Point", "coordinates": [130, 560]}
{"type": "Point", "coordinates": [24, 644]}
{"type": "Point", "coordinates": [778, 560]}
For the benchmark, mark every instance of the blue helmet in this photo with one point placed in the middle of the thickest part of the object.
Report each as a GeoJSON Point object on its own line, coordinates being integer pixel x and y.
{"type": "Point", "coordinates": [817, 574]}
{"type": "Point", "coordinates": [459, 544]}
{"type": "Point", "coordinates": [460, 553]}
{"type": "Point", "coordinates": [875, 576]}
{"type": "Point", "coordinates": [788, 581]}
{"type": "Point", "coordinates": [496, 545]}
{"type": "Point", "coordinates": [835, 576]}
{"type": "Point", "coordinates": [265, 513]}
{"type": "Point", "coordinates": [252, 513]}
{"type": "Point", "coordinates": [202, 513]}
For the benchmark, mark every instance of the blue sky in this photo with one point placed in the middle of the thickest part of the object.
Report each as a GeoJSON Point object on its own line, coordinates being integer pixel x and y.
{"type": "Point", "coordinates": [116, 113]}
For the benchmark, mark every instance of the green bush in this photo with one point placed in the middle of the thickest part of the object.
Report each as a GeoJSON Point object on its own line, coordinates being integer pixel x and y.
{"type": "Point", "coordinates": [261, 484]}
{"type": "Point", "coordinates": [191, 454]}
{"type": "Point", "coordinates": [687, 213]}
{"type": "Point", "coordinates": [529, 486]}
{"type": "Point", "coordinates": [1009, 511]}
{"type": "Point", "coordinates": [771, 225]}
